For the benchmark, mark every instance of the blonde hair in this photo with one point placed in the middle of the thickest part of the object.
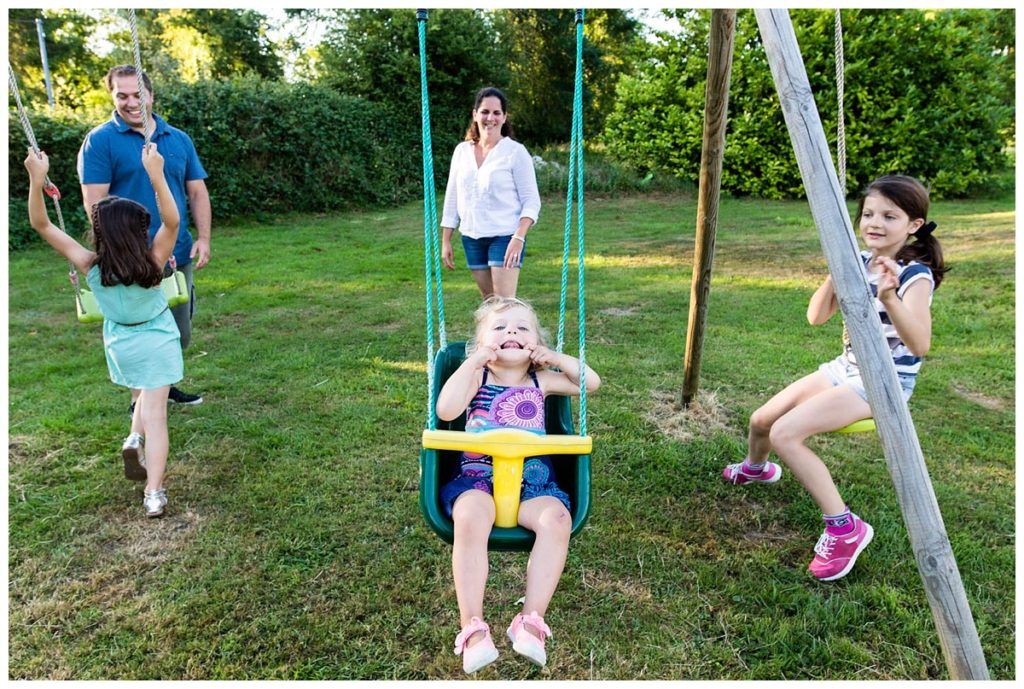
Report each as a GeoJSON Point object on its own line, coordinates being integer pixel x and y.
{"type": "Point", "coordinates": [495, 304]}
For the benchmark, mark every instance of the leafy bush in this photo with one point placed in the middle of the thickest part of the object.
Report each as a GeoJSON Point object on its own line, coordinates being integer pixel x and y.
{"type": "Point", "coordinates": [60, 134]}
{"type": "Point", "coordinates": [269, 147]}
{"type": "Point", "coordinates": [601, 174]}
{"type": "Point", "coordinates": [925, 96]}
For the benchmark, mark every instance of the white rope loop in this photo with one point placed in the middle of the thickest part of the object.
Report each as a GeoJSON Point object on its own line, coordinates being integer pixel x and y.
{"type": "Point", "coordinates": [49, 186]}
{"type": "Point", "coordinates": [138, 74]}
{"type": "Point", "coordinates": [840, 110]}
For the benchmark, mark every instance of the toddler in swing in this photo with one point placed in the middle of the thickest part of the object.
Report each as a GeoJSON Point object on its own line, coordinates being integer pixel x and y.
{"type": "Point", "coordinates": [904, 267]}
{"type": "Point", "coordinates": [502, 383]}
{"type": "Point", "coordinates": [140, 337]}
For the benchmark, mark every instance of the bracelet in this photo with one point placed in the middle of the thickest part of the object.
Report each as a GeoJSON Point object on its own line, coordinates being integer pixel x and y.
{"type": "Point", "coordinates": [515, 236]}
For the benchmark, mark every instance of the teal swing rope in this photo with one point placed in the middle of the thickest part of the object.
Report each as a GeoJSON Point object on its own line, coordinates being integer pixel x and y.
{"type": "Point", "coordinates": [432, 254]}
{"type": "Point", "coordinates": [575, 183]}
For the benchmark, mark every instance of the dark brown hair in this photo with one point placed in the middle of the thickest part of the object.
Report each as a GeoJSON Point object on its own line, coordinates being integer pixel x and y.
{"type": "Point", "coordinates": [912, 198]}
{"type": "Point", "coordinates": [120, 235]}
{"type": "Point", "coordinates": [473, 133]}
{"type": "Point", "coordinates": [126, 71]}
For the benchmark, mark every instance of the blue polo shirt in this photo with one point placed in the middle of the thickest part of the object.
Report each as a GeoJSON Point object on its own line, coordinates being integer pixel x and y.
{"type": "Point", "coordinates": [112, 154]}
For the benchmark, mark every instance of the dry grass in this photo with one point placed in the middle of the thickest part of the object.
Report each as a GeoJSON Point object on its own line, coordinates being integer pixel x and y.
{"type": "Point", "coordinates": [705, 416]}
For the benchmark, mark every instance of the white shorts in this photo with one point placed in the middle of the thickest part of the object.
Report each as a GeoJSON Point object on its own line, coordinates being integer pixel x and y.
{"type": "Point", "coordinates": [841, 372]}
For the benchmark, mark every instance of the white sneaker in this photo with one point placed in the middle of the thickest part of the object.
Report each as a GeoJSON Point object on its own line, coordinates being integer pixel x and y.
{"type": "Point", "coordinates": [154, 502]}
{"type": "Point", "coordinates": [133, 453]}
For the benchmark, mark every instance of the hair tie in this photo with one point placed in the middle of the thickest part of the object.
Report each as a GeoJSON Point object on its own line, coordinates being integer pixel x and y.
{"type": "Point", "coordinates": [925, 230]}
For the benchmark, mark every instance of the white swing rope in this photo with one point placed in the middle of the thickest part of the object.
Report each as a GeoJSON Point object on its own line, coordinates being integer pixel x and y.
{"type": "Point", "coordinates": [49, 187]}
{"type": "Point", "coordinates": [840, 110]}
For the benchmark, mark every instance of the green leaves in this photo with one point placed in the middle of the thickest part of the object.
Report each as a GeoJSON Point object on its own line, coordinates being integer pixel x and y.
{"type": "Point", "coordinates": [926, 95]}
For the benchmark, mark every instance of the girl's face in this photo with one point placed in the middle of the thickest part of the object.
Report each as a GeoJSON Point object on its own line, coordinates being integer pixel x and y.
{"type": "Point", "coordinates": [884, 226]}
{"type": "Point", "coordinates": [511, 331]}
{"type": "Point", "coordinates": [489, 117]}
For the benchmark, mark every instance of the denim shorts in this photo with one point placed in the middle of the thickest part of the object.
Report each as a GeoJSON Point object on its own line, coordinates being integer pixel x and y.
{"type": "Point", "coordinates": [841, 372]}
{"type": "Point", "coordinates": [489, 252]}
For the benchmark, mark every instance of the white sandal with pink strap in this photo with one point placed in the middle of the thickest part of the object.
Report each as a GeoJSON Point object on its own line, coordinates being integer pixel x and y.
{"type": "Point", "coordinates": [526, 644]}
{"type": "Point", "coordinates": [480, 654]}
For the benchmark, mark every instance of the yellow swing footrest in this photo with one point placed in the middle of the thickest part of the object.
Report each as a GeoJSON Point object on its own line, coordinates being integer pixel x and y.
{"type": "Point", "coordinates": [508, 447]}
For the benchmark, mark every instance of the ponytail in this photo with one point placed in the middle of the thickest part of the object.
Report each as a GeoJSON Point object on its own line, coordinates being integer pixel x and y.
{"type": "Point", "coordinates": [925, 249]}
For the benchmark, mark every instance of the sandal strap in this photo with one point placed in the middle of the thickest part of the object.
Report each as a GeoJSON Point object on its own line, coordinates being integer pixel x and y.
{"type": "Point", "coordinates": [534, 620]}
{"type": "Point", "coordinates": [475, 625]}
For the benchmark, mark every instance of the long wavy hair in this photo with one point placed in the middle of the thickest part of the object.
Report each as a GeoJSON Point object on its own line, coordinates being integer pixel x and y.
{"type": "Point", "coordinates": [473, 132]}
{"type": "Point", "coordinates": [495, 304]}
{"type": "Point", "coordinates": [120, 236]}
{"type": "Point", "coordinates": [912, 198]}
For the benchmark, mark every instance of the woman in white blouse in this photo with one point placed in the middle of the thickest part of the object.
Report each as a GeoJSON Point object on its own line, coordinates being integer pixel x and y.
{"type": "Point", "coordinates": [491, 197]}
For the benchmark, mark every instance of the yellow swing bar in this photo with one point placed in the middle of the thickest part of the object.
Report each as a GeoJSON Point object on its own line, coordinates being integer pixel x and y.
{"type": "Point", "coordinates": [508, 447]}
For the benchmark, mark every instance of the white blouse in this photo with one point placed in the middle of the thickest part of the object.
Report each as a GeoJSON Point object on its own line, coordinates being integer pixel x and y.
{"type": "Point", "coordinates": [490, 200]}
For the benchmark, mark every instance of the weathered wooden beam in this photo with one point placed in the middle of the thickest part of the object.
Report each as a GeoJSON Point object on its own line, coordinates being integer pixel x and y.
{"type": "Point", "coordinates": [943, 586]}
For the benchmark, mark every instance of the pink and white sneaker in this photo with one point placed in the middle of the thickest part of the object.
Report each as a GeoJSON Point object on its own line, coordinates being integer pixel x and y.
{"type": "Point", "coordinates": [834, 556]}
{"type": "Point", "coordinates": [739, 474]}
{"type": "Point", "coordinates": [480, 654]}
{"type": "Point", "coordinates": [526, 644]}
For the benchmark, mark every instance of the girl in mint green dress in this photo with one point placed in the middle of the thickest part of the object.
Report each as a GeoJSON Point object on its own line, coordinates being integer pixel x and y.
{"type": "Point", "coordinates": [140, 336]}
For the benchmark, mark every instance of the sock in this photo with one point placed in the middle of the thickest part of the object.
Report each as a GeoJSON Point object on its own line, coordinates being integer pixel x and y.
{"type": "Point", "coordinates": [839, 524]}
{"type": "Point", "coordinates": [751, 469]}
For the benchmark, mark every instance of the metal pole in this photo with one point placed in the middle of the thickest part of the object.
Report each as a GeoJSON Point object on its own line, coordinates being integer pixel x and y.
{"type": "Point", "coordinates": [46, 62]}
{"type": "Point", "coordinates": [957, 633]}
{"type": "Point", "coordinates": [716, 105]}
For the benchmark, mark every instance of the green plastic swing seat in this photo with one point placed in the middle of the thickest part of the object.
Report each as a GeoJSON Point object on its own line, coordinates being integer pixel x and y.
{"type": "Point", "coordinates": [175, 288]}
{"type": "Point", "coordinates": [572, 472]}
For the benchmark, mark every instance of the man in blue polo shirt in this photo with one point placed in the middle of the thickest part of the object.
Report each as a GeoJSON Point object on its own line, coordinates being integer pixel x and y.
{"type": "Point", "coordinates": [110, 163]}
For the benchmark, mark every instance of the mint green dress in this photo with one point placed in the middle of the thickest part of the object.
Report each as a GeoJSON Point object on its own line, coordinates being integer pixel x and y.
{"type": "Point", "coordinates": [140, 337]}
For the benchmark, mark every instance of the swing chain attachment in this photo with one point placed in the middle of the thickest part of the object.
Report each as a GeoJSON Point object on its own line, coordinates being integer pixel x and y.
{"type": "Point", "coordinates": [51, 190]}
{"type": "Point", "coordinates": [421, 15]}
{"type": "Point", "coordinates": [579, 16]}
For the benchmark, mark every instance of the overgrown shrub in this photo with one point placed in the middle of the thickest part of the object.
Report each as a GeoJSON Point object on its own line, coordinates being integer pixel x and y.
{"type": "Point", "coordinates": [268, 147]}
{"type": "Point", "coordinates": [925, 96]}
{"type": "Point", "coordinates": [60, 134]}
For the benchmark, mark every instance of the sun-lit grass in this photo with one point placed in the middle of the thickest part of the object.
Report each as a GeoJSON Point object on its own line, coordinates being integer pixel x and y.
{"type": "Point", "coordinates": [294, 547]}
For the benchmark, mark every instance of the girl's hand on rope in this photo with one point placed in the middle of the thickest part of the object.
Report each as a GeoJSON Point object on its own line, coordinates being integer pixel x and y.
{"type": "Point", "coordinates": [888, 277]}
{"type": "Point", "coordinates": [152, 161]}
{"type": "Point", "coordinates": [447, 254]}
{"type": "Point", "coordinates": [37, 165]}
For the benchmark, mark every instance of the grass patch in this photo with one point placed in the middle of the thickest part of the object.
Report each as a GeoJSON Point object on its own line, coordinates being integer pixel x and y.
{"type": "Point", "coordinates": [294, 546]}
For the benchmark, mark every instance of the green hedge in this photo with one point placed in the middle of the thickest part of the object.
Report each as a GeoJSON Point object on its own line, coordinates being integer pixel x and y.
{"type": "Point", "coordinates": [924, 96]}
{"type": "Point", "coordinates": [269, 147]}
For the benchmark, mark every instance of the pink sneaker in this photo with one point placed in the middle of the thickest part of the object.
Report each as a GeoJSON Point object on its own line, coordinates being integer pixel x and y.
{"type": "Point", "coordinates": [737, 474]}
{"type": "Point", "coordinates": [526, 644]}
{"type": "Point", "coordinates": [480, 654]}
{"type": "Point", "coordinates": [835, 555]}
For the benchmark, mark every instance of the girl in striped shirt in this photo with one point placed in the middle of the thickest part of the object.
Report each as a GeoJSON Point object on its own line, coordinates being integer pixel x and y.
{"type": "Point", "coordinates": [904, 266]}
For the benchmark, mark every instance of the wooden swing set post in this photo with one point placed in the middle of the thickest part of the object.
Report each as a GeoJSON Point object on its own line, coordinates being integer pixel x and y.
{"type": "Point", "coordinates": [957, 633]}
{"type": "Point", "coordinates": [716, 106]}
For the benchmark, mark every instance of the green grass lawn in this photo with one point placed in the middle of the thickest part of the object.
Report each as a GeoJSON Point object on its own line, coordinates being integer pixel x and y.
{"type": "Point", "coordinates": [293, 546]}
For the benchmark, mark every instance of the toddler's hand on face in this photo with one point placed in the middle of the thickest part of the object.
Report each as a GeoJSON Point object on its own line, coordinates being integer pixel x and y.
{"type": "Point", "coordinates": [484, 355]}
{"type": "Point", "coordinates": [541, 355]}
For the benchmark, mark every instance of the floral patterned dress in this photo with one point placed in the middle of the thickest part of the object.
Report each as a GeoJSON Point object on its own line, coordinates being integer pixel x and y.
{"type": "Point", "coordinates": [500, 406]}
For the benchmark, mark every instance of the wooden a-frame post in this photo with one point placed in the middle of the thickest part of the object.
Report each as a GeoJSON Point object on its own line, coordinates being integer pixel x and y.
{"type": "Point", "coordinates": [716, 105]}
{"type": "Point", "coordinates": [943, 586]}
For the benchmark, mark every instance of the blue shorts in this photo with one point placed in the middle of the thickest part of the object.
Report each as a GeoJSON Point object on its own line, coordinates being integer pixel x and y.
{"type": "Point", "coordinates": [489, 252]}
{"type": "Point", "coordinates": [841, 372]}
{"type": "Point", "coordinates": [538, 481]}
